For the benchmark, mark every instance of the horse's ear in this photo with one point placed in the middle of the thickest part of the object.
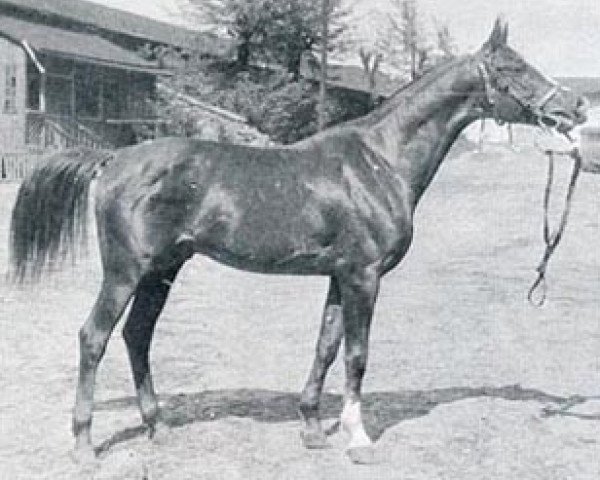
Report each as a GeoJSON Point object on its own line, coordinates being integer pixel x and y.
{"type": "Point", "coordinates": [499, 35]}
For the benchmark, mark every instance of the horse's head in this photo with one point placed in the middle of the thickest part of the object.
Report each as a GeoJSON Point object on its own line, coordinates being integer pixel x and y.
{"type": "Point", "coordinates": [516, 92]}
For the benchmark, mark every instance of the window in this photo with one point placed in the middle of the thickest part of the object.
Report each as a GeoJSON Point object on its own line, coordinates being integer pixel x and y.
{"type": "Point", "coordinates": [33, 87]}
{"type": "Point", "coordinates": [10, 88]}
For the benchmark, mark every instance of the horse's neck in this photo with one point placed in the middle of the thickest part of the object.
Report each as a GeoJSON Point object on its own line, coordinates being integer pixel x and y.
{"type": "Point", "coordinates": [418, 126]}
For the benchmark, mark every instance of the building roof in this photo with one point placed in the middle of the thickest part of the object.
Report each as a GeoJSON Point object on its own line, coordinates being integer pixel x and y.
{"type": "Point", "coordinates": [81, 46]}
{"type": "Point", "coordinates": [125, 23]}
{"type": "Point", "coordinates": [352, 77]}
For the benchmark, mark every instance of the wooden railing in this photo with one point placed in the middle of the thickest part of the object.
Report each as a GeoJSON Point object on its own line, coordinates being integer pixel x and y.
{"type": "Point", "coordinates": [45, 134]}
{"type": "Point", "coordinates": [48, 132]}
{"type": "Point", "coordinates": [14, 166]}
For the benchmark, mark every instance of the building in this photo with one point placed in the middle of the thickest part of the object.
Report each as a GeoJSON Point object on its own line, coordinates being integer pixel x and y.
{"type": "Point", "coordinates": [123, 28]}
{"type": "Point", "coordinates": [70, 74]}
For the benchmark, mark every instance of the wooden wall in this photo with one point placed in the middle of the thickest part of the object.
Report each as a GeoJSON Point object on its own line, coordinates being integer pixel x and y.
{"type": "Point", "coordinates": [13, 64]}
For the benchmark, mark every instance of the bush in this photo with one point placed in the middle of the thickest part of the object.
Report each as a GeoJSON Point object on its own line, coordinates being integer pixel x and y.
{"type": "Point", "coordinates": [288, 113]}
{"type": "Point", "coordinates": [270, 100]}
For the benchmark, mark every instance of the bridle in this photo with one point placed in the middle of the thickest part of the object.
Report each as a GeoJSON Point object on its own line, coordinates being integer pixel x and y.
{"type": "Point", "coordinates": [536, 108]}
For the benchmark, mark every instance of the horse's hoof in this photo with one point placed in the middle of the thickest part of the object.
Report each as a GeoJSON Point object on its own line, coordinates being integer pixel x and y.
{"type": "Point", "coordinates": [361, 455]}
{"type": "Point", "coordinates": [314, 439]}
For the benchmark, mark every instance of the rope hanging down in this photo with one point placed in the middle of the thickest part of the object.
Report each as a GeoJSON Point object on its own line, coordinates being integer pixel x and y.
{"type": "Point", "coordinates": [552, 240]}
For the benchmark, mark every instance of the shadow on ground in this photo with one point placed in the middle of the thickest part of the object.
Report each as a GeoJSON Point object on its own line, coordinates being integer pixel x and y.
{"type": "Point", "coordinates": [381, 410]}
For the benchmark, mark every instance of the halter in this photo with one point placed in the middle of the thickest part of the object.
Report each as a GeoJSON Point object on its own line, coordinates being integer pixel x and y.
{"type": "Point", "coordinates": [536, 108]}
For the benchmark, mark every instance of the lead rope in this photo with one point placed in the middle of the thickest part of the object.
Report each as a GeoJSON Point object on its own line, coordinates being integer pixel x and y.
{"type": "Point", "coordinates": [552, 240]}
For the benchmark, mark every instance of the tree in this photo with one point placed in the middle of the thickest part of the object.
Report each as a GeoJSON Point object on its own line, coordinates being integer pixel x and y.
{"type": "Point", "coordinates": [371, 60]}
{"type": "Point", "coordinates": [445, 42]}
{"type": "Point", "coordinates": [279, 31]}
{"type": "Point", "coordinates": [299, 30]}
{"type": "Point", "coordinates": [403, 43]}
{"type": "Point", "coordinates": [247, 21]}
{"type": "Point", "coordinates": [408, 33]}
{"type": "Point", "coordinates": [324, 46]}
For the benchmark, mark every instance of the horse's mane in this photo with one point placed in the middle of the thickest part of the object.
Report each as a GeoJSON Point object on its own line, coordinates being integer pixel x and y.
{"type": "Point", "coordinates": [390, 103]}
{"type": "Point", "coordinates": [407, 88]}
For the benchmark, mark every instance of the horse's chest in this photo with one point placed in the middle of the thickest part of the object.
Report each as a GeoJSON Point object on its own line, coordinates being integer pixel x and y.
{"type": "Point", "coordinates": [398, 250]}
{"type": "Point", "coordinates": [379, 211]}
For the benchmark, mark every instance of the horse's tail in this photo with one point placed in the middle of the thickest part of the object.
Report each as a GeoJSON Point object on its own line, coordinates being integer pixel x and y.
{"type": "Point", "coordinates": [49, 219]}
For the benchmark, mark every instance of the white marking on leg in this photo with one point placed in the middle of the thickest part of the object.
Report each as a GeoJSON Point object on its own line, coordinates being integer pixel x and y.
{"type": "Point", "coordinates": [351, 420]}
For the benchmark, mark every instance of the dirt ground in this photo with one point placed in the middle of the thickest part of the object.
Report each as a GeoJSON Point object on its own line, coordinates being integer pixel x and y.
{"type": "Point", "coordinates": [464, 380]}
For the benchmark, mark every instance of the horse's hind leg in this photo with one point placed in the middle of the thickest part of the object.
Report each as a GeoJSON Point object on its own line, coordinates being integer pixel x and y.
{"type": "Point", "coordinates": [150, 297]}
{"type": "Point", "coordinates": [328, 345]}
{"type": "Point", "coordinates": [93, 336]}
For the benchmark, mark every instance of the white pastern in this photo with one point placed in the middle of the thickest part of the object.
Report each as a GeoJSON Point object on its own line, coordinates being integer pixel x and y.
{"type": "Point", "coordinates": [352, 423]}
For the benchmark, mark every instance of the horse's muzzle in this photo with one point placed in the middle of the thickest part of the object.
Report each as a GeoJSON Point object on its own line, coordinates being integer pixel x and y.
{"type": "Point", "coordinates": [565, 120]}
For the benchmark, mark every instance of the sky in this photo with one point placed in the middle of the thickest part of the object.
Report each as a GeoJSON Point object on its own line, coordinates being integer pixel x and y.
{"type": "Point", "coordinates": [561, 37]}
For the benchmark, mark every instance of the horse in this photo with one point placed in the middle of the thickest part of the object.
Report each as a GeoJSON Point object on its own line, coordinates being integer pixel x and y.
{"type": "Point", "coordinates": [338, 204]}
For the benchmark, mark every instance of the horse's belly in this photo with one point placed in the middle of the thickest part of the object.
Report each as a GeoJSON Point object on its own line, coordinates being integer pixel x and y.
{"type": "Point", "coordinates": [267, 259]}
{"type": "Point", "coordinates": [271, 234]}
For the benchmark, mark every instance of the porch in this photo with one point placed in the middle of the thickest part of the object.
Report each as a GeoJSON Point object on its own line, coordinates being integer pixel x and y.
{"type": "Point", "coordinates": [63, 89]}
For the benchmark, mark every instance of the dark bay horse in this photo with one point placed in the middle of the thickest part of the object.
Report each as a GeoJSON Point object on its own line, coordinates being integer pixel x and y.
{"type": "Point", "coordinates": [339, 204]}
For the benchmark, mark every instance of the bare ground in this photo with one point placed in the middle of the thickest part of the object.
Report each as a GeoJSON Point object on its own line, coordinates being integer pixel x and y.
{"type": "Point", "coordinates": [461, 378]}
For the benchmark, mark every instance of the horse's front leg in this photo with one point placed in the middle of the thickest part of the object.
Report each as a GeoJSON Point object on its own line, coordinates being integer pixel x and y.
{"type": "Point", "coordinates": [330, 337]}
{"type": "Point", "coordinates": [359, 292]}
